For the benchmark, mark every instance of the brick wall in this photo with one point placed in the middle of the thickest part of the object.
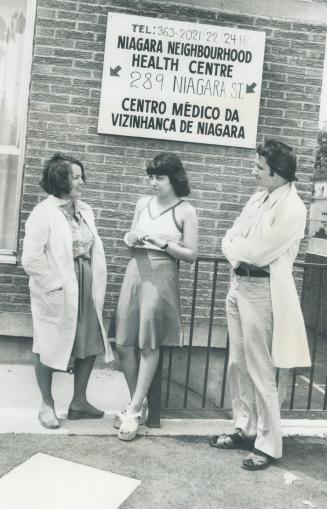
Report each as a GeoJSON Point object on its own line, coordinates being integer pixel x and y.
{"type": "Point", "coordinates": [63, 114]}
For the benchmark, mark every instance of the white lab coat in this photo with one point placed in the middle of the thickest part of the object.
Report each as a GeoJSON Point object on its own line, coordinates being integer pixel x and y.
{"type": "Point", "coordinates": [275, 242]}
{"type": "Point", "coordinates": [48, 260]}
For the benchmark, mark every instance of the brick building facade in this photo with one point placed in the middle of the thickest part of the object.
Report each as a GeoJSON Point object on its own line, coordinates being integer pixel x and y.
{"type": "Point", "coordinates": [63, 111]}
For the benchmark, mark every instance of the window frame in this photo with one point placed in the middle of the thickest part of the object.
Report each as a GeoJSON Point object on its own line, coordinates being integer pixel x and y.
{"type": "Point", "coordinates": [10, 256]}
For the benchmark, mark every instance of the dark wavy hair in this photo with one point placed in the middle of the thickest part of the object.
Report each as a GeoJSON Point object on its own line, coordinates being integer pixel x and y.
{"type": "Point", "coordinates": [280, 159]}
{"type": "Point", "coordinates": [170, 164]}
{"type": "Point", "coordinates": [56, 178]}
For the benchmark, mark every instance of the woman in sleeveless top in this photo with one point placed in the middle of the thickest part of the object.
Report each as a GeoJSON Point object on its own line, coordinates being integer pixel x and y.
{"type": "Point", "coordinates": [164, 230]}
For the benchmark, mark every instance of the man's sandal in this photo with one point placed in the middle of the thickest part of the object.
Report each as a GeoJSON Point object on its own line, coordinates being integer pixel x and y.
{"type": "Point", "coordinates": [232, 441]}
{"type": "Point", "coordinates": [129, 426]}
{"type": "Point", "coordinates": [257, 460]}
{"type": "Point", "coordinates": [143, 417]}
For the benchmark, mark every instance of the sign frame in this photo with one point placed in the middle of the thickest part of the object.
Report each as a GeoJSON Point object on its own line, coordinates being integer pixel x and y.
{"type": "Point", "coordinates": [181, 81]}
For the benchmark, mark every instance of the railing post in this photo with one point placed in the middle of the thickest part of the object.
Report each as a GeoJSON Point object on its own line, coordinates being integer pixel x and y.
{"type": "Point", "coordinates": [212, 308]}
{"type": "Point", "coordinates": [315, 340]}
{"type": "Point", "coordinates": [154, 396]}
{"type": "Point", "coordinates": [223, 385]}
{"type": "Point", "coordinates": [190, 343]}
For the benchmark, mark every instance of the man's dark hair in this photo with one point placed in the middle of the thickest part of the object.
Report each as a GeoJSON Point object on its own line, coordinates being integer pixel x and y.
{"type": "Point", "coordinates": [170, 164]}
{"type": "Point", "coordinates": [57, 175]}
{"type": "Point", "coordinates": [280, 159]}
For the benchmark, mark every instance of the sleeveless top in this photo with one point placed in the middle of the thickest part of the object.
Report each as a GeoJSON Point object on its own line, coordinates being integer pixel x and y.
{"type": "Point", "coordinates": [163, 225]}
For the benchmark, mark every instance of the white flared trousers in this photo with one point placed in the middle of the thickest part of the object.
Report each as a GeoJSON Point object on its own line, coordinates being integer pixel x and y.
{"type": "Point", "coordinates": [251, 372]}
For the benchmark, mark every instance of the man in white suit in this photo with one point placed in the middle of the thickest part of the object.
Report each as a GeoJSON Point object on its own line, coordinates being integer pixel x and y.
{"type": "Point", "coordinates": [264, 317]}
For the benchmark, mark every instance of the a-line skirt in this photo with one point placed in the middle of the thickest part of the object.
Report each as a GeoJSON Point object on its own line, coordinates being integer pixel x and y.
{"type": "Point", "coordinates": [148, 313]}
{"type": "Point", "coordinates": [88, 338]}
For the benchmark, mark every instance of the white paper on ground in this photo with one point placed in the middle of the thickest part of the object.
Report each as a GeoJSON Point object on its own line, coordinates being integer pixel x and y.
{"type": "Point", "coordinates": [289, 478]}
{"type": "Point", "coordinates": [45, 481]}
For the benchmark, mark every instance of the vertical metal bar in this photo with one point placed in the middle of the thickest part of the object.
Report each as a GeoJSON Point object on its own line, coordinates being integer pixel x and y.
{"type": "Point", "coordinates": [154, 396]}
{"type": "Point", "coordinates": [212, 308]}
{"type": "Point", "coordinates": [223, 385]}
{"type": "Point", "coordinates": [188, 366]}
{"type": "Point", "coordinates": [294, 374]}
{"type": "Point", "coordinates": [293, 389]}
{"type": "Point", "coordinates": [325, 397]}
{"type": "Point", "coordinates": [312, 370]}
{"type": "Point", "coordinates": [315, 339]}
{"type": "Point", "coordinates": [277, 376]}
{"type": "Point", "coordinates": [170, 362]}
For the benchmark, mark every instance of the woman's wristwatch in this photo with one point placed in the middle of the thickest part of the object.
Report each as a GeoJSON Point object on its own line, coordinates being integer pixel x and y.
{"type": "Point", "coordinates": [164, 246]}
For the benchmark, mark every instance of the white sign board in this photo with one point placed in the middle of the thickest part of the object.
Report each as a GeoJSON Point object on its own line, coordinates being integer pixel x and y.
{"type": "Point", "coordinates": [180, 81]}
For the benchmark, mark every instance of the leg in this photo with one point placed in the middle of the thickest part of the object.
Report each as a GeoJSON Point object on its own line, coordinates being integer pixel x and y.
{"type": "Point", "coordinates": [82, 373]}
{"type": "Point", "coordinates": [44, 380]}
{"type": "Point", "coordinates": [148, 364]}
{"type": "Point", "coordinates": [241, 386]}
{"type": "Point", "coordinates": [130, 419]}
{"type": "Point", "coordinates": [257, 322]}
{"type": "Point", "coordinates": [47, 415]}
{"type": "Point", "coordinates": [130, 365]}
{"type": "Point", "coordinates": [79, 407]}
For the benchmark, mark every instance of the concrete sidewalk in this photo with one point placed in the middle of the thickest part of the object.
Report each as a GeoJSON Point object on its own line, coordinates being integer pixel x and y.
{"type": "Point", "coordinates": [20, 400]}
{"type": "Point", "coordinates": [175, 465]}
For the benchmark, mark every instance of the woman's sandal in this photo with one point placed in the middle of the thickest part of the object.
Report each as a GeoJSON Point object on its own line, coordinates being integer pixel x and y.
{"type": "Point", "coordinates": [143, 417]}
{"type": "Point", "coordinates": [129, 426]}
{"type": "Point", "coordinates": [257, 460]}
{"type": "Point", "coordinates": [232, 441]}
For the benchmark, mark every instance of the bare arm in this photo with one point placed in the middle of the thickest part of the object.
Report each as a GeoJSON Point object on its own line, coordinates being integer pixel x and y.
{"type": "Point", "coordinates": [188, 252]}
{"type": "Point", "coordinates": [131, 238]}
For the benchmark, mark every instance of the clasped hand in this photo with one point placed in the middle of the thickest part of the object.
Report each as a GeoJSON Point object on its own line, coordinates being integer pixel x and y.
{"type": "Point", "coordinates": [132, 239]}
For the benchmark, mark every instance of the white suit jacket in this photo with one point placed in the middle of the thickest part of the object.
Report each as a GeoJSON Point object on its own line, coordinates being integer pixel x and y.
{"type": "Point", "coordinates": [275, 242]}
{"type": "Point", "coordinates": [48, 259]}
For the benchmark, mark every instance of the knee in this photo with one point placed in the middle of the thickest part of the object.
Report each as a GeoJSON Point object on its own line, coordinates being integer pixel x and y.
{"type": "Point", "coordinates": [124, 351]}
{"type": "Point", "coordinates": [148, 353]}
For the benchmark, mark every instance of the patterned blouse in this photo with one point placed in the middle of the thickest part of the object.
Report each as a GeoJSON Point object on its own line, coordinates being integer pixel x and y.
{"type": "Point", "coordinates": [82, 236]}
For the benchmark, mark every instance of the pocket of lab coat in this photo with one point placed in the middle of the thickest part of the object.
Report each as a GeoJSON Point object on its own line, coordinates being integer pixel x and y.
{"type": "Point", "coordinates": [48, 306]}
{"type": "Point", "coordinates": [54, 302]}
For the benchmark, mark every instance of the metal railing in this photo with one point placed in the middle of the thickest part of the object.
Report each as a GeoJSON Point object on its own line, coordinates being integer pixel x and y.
{"type": "Point", "coordinates": [192, 380]}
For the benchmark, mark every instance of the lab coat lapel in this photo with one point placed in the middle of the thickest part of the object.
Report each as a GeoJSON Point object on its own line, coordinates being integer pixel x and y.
{"type": "Point", "coordinates": [86, 216]}
{"type": "Point", "coordinates": [61, 223]}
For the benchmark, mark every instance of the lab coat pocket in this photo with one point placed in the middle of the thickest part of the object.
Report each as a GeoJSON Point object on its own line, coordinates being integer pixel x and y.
{"type": "Point", "coordinates": [49, 306]}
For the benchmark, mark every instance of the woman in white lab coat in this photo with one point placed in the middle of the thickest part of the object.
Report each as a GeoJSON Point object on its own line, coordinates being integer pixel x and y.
{"type": "Point", "coordinates": [64, 257]}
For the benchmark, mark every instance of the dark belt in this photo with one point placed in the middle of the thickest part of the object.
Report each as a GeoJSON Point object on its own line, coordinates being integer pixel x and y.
{"type": "Point", "coordinates": [242, 271]}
